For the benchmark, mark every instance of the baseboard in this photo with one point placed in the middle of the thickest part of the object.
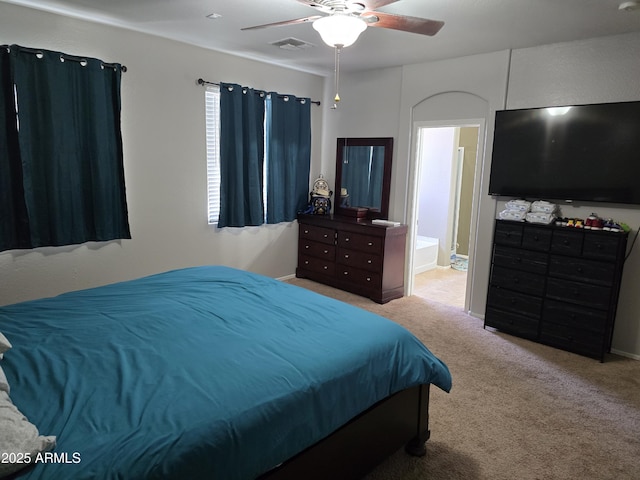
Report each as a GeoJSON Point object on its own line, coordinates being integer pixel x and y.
{"type": "Point", "coordinates": [286, 277]}
{"type": "Point", "coordinates": [625, 354]}
{"type": "Point", "coordinates": [425, 268]}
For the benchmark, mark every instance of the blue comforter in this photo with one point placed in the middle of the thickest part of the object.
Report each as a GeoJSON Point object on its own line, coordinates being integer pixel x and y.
{"type": "Point", "coordinates": [205, 372]}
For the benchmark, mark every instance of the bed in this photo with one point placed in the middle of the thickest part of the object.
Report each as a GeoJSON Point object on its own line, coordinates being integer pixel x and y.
{"type": "Point", "coordinates": [213, 373]}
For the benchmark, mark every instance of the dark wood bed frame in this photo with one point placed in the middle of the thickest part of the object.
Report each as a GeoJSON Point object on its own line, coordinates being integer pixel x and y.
{"type": "Point", "coordinates": [357, 447]}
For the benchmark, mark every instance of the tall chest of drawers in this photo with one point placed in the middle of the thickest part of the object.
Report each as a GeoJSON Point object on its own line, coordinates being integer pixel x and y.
{"type": "Point", "coordinates": [356, 256]}
{"type": "Point", "coordinates": [556, 285]}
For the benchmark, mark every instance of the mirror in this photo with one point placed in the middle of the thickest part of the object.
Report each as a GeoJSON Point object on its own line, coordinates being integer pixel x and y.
{"type": "Point", "coordinates": [363, 177]}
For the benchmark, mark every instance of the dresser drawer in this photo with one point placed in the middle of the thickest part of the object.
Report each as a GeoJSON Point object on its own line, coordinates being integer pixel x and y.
{"type": "Point", "coordinates": [535, 262]}
{"type": "Point", "coordinates": [536, 238]}
{"type": "Point", "coordinates": [359, 277]}
{"type": "Point", "coordinates": [602, 246]}
{"type": "Point", "coordinates": [568, 338]}
{"type": "Point", "coordinates": [353, 258]}
{"type": "Point", "coordinates": [317, 234]}
{"type": "Point", "coordinates": [518, 280]}
{"type": "Point", "coordinates": [317, 249]}
{"type": "Point", "coordinates": [567, 242]}
{"type": "Point", "coordinates": [574, 316]}
{"type": "Point", "coordinates": [572, 268]}
{"type": "Point", "coordinates": [362, 243]}
{"type": "Point", "coordinates": [513, 323]}
{"type": "Point", "coordinates": [508, 234]}
{"type": "Point", "coordinates": [586, 294]}
{"type": "Point", "coordinates": [315, 264]}
{"type": "Point", "coordinates": [515, 302]}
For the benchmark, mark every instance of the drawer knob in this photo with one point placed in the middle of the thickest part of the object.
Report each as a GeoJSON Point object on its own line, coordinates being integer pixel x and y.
{"type": "Point", "coordinates": [345, 273]}
{"type": "Point", "coordinates": [326, 251]}
{"type": "Point", "coordinates": [368, 279]}
{"type": "Point", "coordinates": [326, 267]}
{"type": "Point", "coordinates": [306, 231]}
{"type": "Point", "coordinates": [370, 243]}
{"type": "Point", "coordinates": [369, 261]}
{"type": "Point", "coordinates": [346, 255]}
{"type": "Point", "coordinates": [306, 246]}
{"type": "Point", "coordinates": [306, 262]}
{"type": "Point", "coordinates": [346, 239]}
{"type": "Point", "coordinates": [326, 235]}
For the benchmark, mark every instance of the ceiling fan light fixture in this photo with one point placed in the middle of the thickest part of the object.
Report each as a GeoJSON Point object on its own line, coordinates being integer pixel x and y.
{"type": "Point", "coordinates": [340, 29]}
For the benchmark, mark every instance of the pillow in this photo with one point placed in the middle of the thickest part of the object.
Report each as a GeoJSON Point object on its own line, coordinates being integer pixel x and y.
{"type": "Point", "coordinates": [19, 437]}
{"type": "Point", "coordinates": [4, 344]}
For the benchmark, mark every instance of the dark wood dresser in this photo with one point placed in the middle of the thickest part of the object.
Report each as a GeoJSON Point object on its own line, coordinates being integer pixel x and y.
{"type": "Point", "coordinates": [556, 285]}
{"type": "Point", "coordinates": [356, 256]}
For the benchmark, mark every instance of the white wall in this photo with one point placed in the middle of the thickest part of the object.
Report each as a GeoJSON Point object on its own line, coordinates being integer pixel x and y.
{"type": "Point", "coordinates": [438, 146]}
{"type": "Point", "coordinates": [595, 70]}
{"type": "Point", "coordinates": [369, 107]}
{"type": "Point", "coordinates": [164, 158]}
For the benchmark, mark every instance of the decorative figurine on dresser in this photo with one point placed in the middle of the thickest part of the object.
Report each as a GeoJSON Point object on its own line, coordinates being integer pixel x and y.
{"type": "Point", "coordinates": [356, 249]}
{"type": "Point", "coordinates": [319, 198]}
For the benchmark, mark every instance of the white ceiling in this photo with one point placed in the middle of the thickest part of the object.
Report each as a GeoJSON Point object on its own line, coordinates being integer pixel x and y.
{"type": "Point", "coordinates": [471, 27]}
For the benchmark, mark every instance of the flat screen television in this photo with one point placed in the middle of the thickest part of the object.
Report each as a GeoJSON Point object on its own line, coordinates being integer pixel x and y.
{"type": "Point", "coordinates": [588, 153]}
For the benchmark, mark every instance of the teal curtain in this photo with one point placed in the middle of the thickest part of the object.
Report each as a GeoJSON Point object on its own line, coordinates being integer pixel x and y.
{"type": "Point", "coordinates": [14, 223]}
{"type": "Point", "coordinates": [288, 156]}
{"type": "Point", "coordinates": [69, 148]}
{"type": "Point", "coordinates": [362, 172]}
{"type": "Point", "coordinates": [242, 113]}
{"type": "Point", "coordinates": [356, 169]}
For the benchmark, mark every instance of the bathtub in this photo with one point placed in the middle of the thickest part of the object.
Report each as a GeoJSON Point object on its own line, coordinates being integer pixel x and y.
{"type": "Point", "coordinates": [425, 256]}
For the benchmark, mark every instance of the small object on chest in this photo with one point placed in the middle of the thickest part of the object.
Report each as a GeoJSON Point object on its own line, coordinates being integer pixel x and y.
{"type": "Point", "coordinates": [319, 198]}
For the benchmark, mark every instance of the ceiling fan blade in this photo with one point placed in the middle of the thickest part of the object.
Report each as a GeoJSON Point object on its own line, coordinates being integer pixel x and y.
{"type": "Point", "coordinates": [286, 22]}
{"type": "Point", "coordinates": [423, 26]}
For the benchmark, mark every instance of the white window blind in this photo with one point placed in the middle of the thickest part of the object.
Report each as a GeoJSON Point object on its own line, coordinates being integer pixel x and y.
{"type": "Point", "coordinates": [212, 121]}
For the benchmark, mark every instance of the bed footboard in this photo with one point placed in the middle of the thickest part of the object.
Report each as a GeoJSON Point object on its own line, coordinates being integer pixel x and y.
{"type": "Point", "coordinates": [356, 448]}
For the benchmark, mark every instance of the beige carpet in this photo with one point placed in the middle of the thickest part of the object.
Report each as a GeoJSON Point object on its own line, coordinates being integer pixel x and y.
{"type": "Point", "coordinates": [517, 410]}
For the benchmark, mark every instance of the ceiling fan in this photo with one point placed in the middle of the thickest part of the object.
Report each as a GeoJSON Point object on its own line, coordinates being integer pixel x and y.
{"type": "Point", "coordinates": [347, 19]}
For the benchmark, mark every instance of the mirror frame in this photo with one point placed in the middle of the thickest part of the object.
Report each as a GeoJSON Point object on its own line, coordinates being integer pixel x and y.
{"type": "Point", "coordinates": [363, 212]}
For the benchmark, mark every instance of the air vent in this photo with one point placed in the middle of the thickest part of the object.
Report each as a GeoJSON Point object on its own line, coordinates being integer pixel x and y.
{"type": "Point", "coordinates": [292, 44]}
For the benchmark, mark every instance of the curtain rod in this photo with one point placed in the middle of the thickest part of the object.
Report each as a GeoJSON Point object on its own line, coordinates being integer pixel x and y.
{"type": "Point", "coordinates": [65, 56]}
{"type": "Point", "coordinates": [205, 82]}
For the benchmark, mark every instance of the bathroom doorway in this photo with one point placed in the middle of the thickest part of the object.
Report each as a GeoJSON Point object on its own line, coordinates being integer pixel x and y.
{"type": "Point", "coordinates": [446, 159]}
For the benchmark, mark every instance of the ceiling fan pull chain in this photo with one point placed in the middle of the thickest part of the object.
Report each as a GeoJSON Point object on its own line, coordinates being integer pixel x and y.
{"type": "Point", "coordinates": [336, 99]}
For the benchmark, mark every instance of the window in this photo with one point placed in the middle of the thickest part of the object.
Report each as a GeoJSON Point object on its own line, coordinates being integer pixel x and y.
{"type": "Point", "coordinates": [284, 159]}
{"type": "Point", "coordinates": [61, 158]}
{"type": "Point", "coordinates": [212, 122]}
